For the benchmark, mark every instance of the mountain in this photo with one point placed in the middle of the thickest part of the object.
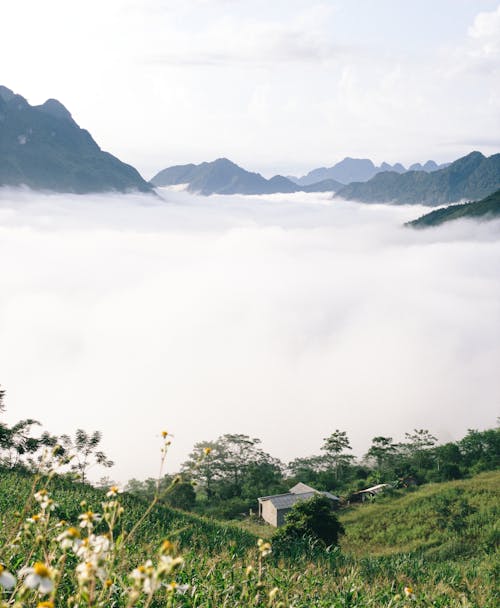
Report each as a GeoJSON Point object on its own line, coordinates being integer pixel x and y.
{"type": "Point", "coordinates": [357, 170]}
{"type": "Point", "coordinates": [472, 177]}
{"type": "Point", "coordinates": [222, 176]}
{"type": "Point", "coordinates": [43, 148]}
{"type": "Point", "coordinates": [486, 209]}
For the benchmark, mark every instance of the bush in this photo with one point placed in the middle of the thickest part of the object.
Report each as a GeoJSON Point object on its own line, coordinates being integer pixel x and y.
{"type": "Point", "coordinates": [311, 518]}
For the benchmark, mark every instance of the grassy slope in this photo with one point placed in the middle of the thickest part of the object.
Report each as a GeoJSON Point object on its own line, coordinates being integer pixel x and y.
{"type": "Point", "coordinates": [487, 208]}
{"type": "Point", "coordinates": [443, 520]}
{"type": "Point", "coordinates": [389, 544]}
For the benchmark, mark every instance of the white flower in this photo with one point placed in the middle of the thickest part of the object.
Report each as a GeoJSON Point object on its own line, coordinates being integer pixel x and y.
{"type": "Point", "coordinates": [88, 519]}
{"type": "Point", "coordinates": [7, 580]}
{"type": "Point", "coordinates": [93, 547]}
{"type": "Point", "coordinates": [88, 571]}
{"type": "Point", "coordinates": [169, 563]}
{"type": "Point", "coordinates": [39, 577]}
{"type": "Point", "coordinates": [69, 539]}
{"type": "Point", "coordinates": [113, 491]}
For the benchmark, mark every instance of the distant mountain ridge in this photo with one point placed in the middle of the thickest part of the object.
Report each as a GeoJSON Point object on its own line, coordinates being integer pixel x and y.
{"type": "Point", "coordinates": [359, 170]}
{"type": "Point", "coordinates": [222, 176]}
{"type": "Point", "coordinates": [485, 209]}
{"type": "Point", "coordinates": [471, 177]}
{"type": "Point", "coordinates": [43, 148]}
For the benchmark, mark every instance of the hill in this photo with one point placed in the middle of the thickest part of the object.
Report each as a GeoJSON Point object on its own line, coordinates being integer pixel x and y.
{"type": "Point", "coordinates": [358, 170]}
{"type": "Point", "coordinates": [43, 148]}
{"type": "Point", "coordinates": [439, 540]}
{"type": "Point", "coordinates": [486, 209]}
{"type": "Point", "coordinates": [222, 176]}
{"type": "Point", "coordinates": [448, 520]}
{"type": "Point", "coordinates": [472, 177]}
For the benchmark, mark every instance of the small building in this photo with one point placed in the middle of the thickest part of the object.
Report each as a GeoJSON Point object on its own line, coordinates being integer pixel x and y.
{"type": "Point", "coordinates": [273, 509]}
{"type": "Point", "coordinates": [368, 493]}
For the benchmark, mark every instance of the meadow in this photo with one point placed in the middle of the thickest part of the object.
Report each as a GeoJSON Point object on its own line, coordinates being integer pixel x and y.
{"type": "Point", "coordinates": [433, 546]}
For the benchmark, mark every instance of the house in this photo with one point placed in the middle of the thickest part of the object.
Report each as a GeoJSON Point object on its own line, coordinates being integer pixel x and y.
{"type": "Point", "coordinates": [273, 509]}
{"type": "Point", "coordinates": [363, 495]}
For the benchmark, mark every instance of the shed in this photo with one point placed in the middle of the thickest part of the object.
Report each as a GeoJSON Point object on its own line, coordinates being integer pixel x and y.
{"type": "Point", "coordinates": [273, 509]}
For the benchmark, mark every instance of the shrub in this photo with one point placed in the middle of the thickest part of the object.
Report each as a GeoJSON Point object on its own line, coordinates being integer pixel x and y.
{"type": "Point", "coordinates": [312, 518]}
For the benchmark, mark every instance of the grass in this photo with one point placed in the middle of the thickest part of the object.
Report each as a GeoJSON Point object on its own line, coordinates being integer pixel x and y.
{"type": "Point", "coordinates": [439, 540]}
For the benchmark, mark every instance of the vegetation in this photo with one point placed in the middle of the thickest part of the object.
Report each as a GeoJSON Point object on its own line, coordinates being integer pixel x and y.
{"type": "Point", "coordinates": [66, 543]}
{"type": "Point", "coordinates": [311, 519]}
{"type": "Point", "coordinates": [488, 208]}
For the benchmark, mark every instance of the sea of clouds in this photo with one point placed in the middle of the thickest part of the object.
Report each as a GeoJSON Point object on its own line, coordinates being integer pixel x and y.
{"type": "Point", "coordinates": [283, 317]}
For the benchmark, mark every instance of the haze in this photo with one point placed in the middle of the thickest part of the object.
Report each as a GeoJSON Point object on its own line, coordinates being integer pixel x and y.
{"type": "Point", "coordinates": [278, 87]}
{"type": "Point", "coordinates": [283, 317]}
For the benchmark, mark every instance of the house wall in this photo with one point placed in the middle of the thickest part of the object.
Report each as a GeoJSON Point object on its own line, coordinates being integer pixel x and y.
{"type": "Point", "coordinates": [280, 519]}
{"type": "Point", "coordinates": [269, 513]}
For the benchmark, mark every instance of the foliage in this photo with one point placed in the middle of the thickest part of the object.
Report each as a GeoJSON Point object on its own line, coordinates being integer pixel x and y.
{"type": "Point", "coordinates": [85, 450]}
{"type": "Point", "coordinates": [311, 518]}
{"type": "Point", "coordinates": [487, 208]}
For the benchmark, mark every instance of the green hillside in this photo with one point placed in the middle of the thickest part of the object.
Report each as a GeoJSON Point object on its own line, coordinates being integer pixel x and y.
{"type": "Point", "coordinates": [439, 540]}
{"type": "Point", "coordinates": [442, 520]}
{"type": "Point", "coordinates": [487, 208]}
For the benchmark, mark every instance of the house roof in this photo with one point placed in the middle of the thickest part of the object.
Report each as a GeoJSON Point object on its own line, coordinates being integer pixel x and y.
{"type": "Point", "coordinates": [374, 489]}
{"type": "Point", "coordinates": [299, 491]}
{"type": "Point", "coordinates": [301, 488]}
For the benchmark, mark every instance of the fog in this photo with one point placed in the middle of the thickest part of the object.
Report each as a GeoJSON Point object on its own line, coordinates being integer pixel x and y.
{"type": "Point", "coordinates": [283, 317]}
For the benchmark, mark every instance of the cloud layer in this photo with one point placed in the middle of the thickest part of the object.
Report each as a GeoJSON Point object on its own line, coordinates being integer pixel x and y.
{"type": "Point", "coordinates": [283, 317]}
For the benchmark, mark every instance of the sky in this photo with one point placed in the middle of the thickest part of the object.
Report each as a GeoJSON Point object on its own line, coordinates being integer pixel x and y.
{"type": "Point", "coordinates": [282, 317]}
{"type": "Point", "coordinates": [278, 87]}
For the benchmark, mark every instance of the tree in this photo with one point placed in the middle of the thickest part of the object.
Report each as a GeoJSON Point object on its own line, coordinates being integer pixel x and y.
{"type": "Point", "coordinates": [181, 496]}
{"type": "Point", "coordinates": [311, 518]}
{"type": "Point", "coordinates": [382, 451]}
{"type": "Point", "coordinates": [85, 451]}
{"type": "Point", "coordinates": [224, 467]}
{"type": "Point", "coordinates": [334, 447]}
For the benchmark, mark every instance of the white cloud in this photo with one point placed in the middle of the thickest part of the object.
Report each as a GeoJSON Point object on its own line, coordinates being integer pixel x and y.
{"type": "Point", "coordinates": [281, 317]}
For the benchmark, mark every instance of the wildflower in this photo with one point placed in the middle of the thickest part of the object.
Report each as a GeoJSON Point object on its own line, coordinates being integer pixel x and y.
{"type": "Point", "coordinates": [113, 491]}
{"type": "Point", "coordinates": [409, 593]}
{"type": "Point", "coordinates": [46, 604]}
{"type": "Point", "coordinates": [166, 547]}
{"type": "Point", "coordinates": [145, 576]}
{"type": "Point", "coordinates": [88, 571]}
{"type": "Point", "coordinates": [93, 548]}
{"type": "Point", "coordinates": [264, 547]}
{"type": "Point", "coordinates": [168, 564]}
{"type": "Point", "coordinates": [207, 451]}
{"type": "Point", "coordinates": [164, 434]}
{"type": "Point", "coordinates": [35, 519]}
{"type": "Point", "coordinates": [88, 518]}
{"type": "Point", "coordinates": [39, 577]}
{"type": "Point", "coordinates": [7, 580]}
{"type": "Point", "coordinates": [70, 538]}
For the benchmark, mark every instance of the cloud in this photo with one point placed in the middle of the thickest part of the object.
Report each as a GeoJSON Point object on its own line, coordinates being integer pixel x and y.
{"type": "Point", "coordinates": [283, 317]}
{"type": "Point", "coordinates": [303, 37]}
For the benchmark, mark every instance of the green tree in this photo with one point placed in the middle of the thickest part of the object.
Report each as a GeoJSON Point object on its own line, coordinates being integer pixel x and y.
{"type": "Point", "coordinates": [334, 447]}
{"type": "Point", "coordinates": [311, 518]}
{"type": "Point", "coordinates": [85, 451]}
{"type": "Point", "coordinates": [382, 451]}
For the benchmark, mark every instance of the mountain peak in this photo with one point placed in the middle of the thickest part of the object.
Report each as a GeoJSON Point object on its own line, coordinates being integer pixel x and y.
{"type": "Point", "coordinates": [55, 108]}
{"type": "Point", "coordinates": [6, 94]}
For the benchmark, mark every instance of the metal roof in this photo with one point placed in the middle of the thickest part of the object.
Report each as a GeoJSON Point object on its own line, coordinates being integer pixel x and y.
{"type": "Point", "coordinates": [286, 501]}
{"type": "Point", "coordinates": [301, 488]}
